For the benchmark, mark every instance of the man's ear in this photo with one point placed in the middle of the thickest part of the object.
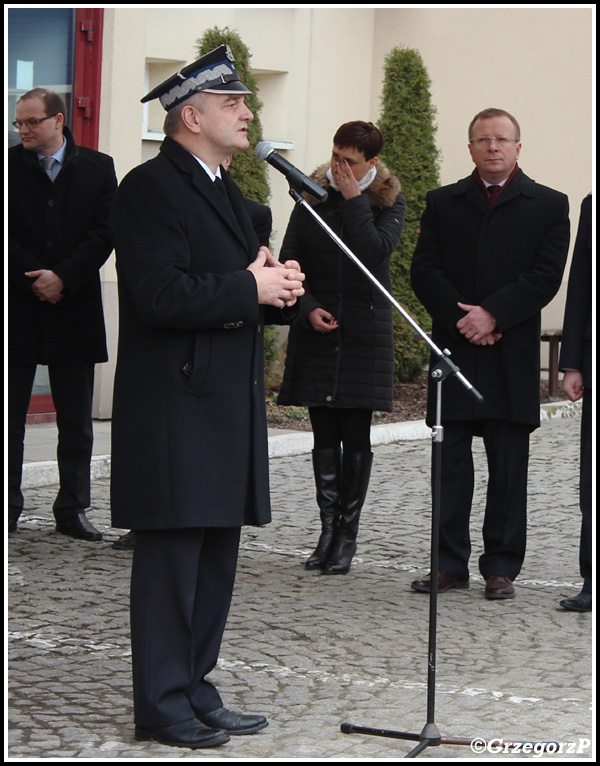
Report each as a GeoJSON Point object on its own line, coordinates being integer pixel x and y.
{"type": "Point", "coordinates": [190, 118]}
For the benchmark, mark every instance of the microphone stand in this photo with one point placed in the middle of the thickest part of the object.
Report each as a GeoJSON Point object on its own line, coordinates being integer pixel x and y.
{"type": "Point", "coordinates": [430, 735]}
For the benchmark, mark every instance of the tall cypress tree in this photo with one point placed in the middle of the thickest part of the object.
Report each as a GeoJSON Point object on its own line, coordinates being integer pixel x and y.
{"type": "Point", "coordinates": [249, 173]}
{"type": "Point", "coordinates": [407, 122]}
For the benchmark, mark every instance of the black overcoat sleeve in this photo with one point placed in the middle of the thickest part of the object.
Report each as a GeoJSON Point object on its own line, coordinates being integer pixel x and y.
{"type": "Point", "coordinates": [577, 326]}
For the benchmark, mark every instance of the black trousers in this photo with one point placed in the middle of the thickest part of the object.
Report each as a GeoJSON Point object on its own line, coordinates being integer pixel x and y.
{"type": "Point", "coordinates": [181, 587]}
{"type": "Point", "coordinates": [505, 519]}
{"type": "Point", "coordinates": [585, 492]}
{"type": "Point", "coordinates": [72, 389]}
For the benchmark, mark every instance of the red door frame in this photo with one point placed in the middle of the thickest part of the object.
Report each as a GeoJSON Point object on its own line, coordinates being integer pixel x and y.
{"type": "Point", "coordinates": [87, 70]}
{"type": "Point", "coordinates": [89, 24]}
{"type": "Point", "coordinates": [41, 410]}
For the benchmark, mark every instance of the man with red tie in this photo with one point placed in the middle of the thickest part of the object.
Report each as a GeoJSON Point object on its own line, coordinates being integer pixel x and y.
{"type": "Point", "coordinates": [490, 255]}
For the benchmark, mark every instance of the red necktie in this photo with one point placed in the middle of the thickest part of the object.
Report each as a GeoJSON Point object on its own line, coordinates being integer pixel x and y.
{"type": "Point", "coordinates": [494, 193]}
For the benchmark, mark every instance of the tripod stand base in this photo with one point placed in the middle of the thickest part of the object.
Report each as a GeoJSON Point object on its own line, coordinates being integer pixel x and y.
{"type": "Point", "coordinates": [430, 737]}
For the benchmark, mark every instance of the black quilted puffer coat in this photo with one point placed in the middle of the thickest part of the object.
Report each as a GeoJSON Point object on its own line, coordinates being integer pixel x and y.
{"type": "Point", "coordinates": [352, 366]}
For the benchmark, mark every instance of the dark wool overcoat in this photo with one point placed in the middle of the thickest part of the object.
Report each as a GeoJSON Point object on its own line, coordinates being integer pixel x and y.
{"type": "Point", "coordinates": [189, 434]}
{"type": "Point", "coordinates": [352, 366]}
{"type": "Point", "coordinates": [509, 259]}
{"type": "Point", "coordinates": [62, 226]}
{"type": "Point", "coordinates": [576, 348]}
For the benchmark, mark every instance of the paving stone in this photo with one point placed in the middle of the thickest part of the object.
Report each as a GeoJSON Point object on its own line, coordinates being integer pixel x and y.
{"type": "Point", "coordinates": [312, 651]}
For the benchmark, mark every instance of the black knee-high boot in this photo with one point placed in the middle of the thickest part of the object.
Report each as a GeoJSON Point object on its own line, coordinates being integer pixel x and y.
{"type": "Point", "coordinates": [327, 465]}
{"type": "Point", "coordinates": [356, 473]}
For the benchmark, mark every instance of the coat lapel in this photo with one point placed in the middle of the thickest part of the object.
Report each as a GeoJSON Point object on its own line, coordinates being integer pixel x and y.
{"type": "Point", "coordinates": [520, 185]}
{"type": "Point", "coordinates": [209, 191]}
{"type": "Point", "coordinates": [187, 163]}
{"type": "Point", "coordinates": [242, 218]}
{"type": "Point", "coordinates": [471, 191]}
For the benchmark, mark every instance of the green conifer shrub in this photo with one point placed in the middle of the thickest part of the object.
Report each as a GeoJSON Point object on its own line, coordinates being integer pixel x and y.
{"type": "Point", "coordinates": [249, 173]}
{"type": "Point", "coordinates": [407, 122]}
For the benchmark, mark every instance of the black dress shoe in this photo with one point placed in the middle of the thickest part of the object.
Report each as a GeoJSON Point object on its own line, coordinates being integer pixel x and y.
{"type": "Point", "coordinates": [12, 525]}
{"type": "Point", "coordinates": [125, 542]}
{"type": "Point", "coordinates": [580, 603]}
{"type": "Point", "coordinates": [186, 734]}
{"type": "Point", "coordinates": [445, 581]}
{"type": "Point", "coordinates": [233, 723]}
{"type": "Point", "coordinates": [79, 527]}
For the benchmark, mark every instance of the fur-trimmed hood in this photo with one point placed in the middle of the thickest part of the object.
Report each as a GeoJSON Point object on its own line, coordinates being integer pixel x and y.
{"type": "Point", "coordinates": [383, 192]}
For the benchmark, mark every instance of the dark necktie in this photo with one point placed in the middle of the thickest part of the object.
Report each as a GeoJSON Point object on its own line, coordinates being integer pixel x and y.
{"type": "Point", "coordinates": [225, 202]}
{"type": "Point", "coordinates": [221, 187]}
{"type": "Point", "coordinates": [494, 193]}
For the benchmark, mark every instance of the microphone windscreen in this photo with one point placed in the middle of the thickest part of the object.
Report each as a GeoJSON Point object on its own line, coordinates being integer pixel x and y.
{"type": "Point", "coordinates": [263, 150]}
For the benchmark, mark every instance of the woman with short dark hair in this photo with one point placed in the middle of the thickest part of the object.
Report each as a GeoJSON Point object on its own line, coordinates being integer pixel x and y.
{"type": "Point", "coordinates": [340, 359]}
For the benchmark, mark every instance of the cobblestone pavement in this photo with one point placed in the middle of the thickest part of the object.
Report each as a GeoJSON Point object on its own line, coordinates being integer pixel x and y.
{"type": "Point", "coordinates": [311, 651]}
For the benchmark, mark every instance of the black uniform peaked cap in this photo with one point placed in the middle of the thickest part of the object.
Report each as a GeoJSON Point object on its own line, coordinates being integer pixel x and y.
{"type": "Point", "coordinates": [212, 73]}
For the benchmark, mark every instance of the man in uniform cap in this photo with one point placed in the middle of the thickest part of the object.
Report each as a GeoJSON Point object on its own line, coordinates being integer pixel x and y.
{"type": "Point", "coordinates": [190, 451]}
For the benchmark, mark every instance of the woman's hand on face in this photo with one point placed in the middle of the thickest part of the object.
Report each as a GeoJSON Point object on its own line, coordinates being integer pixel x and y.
{"type": "Point", "coordinates": [344, 179]}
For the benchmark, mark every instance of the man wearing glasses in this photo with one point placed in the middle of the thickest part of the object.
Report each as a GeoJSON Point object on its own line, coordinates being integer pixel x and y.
{"type": "Point", "coordinates": [490, 255]}
{"type": "Point", "coordinates": [60, 196]}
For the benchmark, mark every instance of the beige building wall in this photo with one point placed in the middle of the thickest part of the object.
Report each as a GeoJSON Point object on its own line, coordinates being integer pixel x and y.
{"type": "Point", "coordinates": [320, 67]}
{"type": "Point", "coordinates": [541, 71]}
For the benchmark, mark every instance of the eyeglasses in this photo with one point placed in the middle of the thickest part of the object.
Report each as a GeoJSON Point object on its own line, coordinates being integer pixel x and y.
{"type": "Point", "coordinates": [18, 124]}
{"type": "Point", "coordinates": [486, 140]}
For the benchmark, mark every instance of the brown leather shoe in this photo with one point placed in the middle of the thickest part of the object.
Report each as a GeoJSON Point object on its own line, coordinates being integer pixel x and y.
{"type": "Point", "coordinates": [498, 586]}
{"type": "Point", "coordinates": [445, 582]}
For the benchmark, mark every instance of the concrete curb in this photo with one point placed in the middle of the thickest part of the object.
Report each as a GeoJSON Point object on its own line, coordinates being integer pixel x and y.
{"type": "Point", "coordinates": [45, 473]}
{"type": "Point", "coordinates": [560, 410]}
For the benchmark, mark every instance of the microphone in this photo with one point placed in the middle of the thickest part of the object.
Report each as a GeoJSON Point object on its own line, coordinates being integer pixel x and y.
{"type": "Point", "coordinates": [264, 151]}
